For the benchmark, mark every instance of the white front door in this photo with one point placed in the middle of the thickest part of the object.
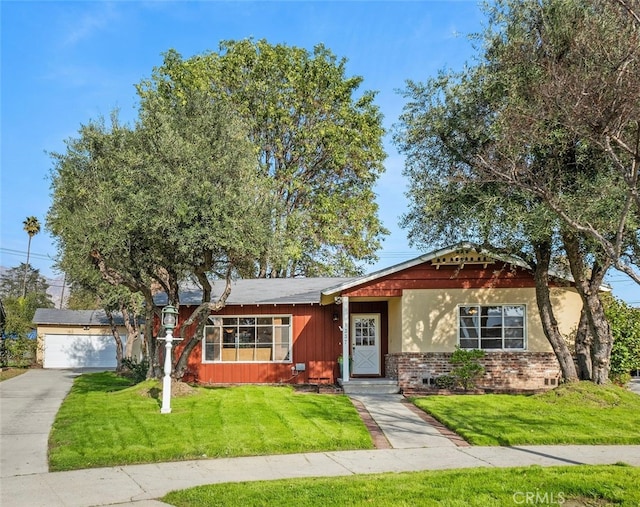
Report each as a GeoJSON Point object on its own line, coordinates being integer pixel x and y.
{"type": "Point", "coordinates": [365, 343]}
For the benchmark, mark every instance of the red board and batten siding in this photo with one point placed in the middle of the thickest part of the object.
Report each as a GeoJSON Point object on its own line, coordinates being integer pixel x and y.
{"type": "Point", "coordinates": [316, 343]}
{"type": "Point", "coordinates": [427, 276]}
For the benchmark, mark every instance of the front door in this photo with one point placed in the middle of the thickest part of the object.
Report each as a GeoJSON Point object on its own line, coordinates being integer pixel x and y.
{"type": "Point", "coordinates": [365, 342]}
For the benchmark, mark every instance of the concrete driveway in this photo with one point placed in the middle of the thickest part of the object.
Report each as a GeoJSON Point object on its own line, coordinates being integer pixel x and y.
{"type": "Point", "coordinates": [28, 406]}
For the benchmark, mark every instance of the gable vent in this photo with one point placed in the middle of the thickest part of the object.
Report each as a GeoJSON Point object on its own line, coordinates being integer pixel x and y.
{"type": "Point", "coordinates": [461, 259]}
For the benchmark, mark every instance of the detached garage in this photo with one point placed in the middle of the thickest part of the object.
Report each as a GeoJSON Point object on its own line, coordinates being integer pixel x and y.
{"type": "Point", "coordinates": [76, 338]}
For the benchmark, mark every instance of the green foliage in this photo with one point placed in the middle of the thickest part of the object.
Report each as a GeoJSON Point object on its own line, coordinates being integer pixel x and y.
{"type": "Point", "coordinates": [20, 351]}
{"type": "Point", "coordinates": [12, 280]}
{"type": "Point", "coordinates": [195, 167]}
{"type": "Point", "coordinates": [518, 150]}
{"type": "Point", "coordinates": [467, 367]}
{"type": "Point", "coordinates": [104, 422]}
{"type": "Point", "coordinates": [445, 382]}
{"type": "Point", "coordinates": [625, 327]}
{"type": "Point", "coordinates": [482, 487]}
{"type": "Point", "coordinates": [134, 369]}
{"type": "Point", "coordinates": [20, 312]}
{"type": "Point", "coordinates": [580, 413]}
{"type": "Point", "coordinates": [82, 298]}
{"type": "Point", "coordinates": [176, 197]}
{"type": "Point", "coordinates": [317, 139]}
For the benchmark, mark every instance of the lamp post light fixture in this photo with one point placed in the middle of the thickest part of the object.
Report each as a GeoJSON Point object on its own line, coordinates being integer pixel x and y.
{"type": "Point", "coordinates": [169, 322]}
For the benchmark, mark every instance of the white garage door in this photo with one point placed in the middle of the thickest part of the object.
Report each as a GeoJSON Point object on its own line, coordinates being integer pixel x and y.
{"type": "Point", "coordinates": [79, 351]}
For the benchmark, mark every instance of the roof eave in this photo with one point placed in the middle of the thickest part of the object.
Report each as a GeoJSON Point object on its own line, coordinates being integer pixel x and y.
{"type": "Point", "coordinates": [411, 263]}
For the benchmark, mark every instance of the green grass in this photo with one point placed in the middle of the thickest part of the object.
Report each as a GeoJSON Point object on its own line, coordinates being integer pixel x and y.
{"type": "Point", "coordinates": [580, 413]}
{"type": "Point", "coordinates": [577, 486]}
{"type": "Point", "coordinates": [105, 422]}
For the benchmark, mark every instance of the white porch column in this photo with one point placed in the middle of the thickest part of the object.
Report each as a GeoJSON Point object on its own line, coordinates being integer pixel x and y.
{"type": "Point", "coordinates": [346, 349]}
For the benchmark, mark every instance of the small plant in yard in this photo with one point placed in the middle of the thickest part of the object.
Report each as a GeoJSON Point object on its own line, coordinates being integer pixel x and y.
{"type": "Point", "coordinates": [21, 351]}
{"type": "Point", "coordinates": [134, 369]}
{"type": "Point", "coordinates": [445, 382]}
{"type": "Point", "coordinates": [467, 368]}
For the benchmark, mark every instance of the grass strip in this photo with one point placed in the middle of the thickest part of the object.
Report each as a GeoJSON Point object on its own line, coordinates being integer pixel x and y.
{"type": "Point", "coordinates": [7, 373]}
{"type": "Point", "coordinates": [581, 413]}
{"type": "Point", "coordinates": [104, 421]}
{"type": "Point", "coordinates": [576, 486]}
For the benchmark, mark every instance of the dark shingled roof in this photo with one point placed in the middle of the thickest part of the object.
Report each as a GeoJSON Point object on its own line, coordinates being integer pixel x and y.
{"type": "Point", "coordinates": [75, 317]}
{"type": "Point", "coordinates": [262, 291]}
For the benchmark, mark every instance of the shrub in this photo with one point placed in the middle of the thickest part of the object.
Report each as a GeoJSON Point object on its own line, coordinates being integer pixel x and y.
{"type": "Point", "coordinates": [467, 368]}
{"type": "Point", "coordinates": [445, 382]}
{"type": "Point", "coordinates": [625, 328]}
{"type": "Point", "coordinates": [134, 369]}
{"type": "Point", "coordinates": [21, 351]}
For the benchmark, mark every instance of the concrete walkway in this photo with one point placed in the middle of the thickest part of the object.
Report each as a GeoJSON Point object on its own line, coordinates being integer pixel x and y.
{"type": "Point", "coordinates": [402, 427]}
{"type": "Point", "coordinates": [416, 446]}
{"type": "Point", "coordinates": [28, 407]}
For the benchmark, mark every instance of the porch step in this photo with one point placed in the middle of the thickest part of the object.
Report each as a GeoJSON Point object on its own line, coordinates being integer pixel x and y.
{"type": "Point", "coordinates": [370, 386]}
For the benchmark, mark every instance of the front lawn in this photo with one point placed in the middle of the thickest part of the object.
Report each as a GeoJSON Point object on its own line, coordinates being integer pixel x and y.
{"type": "Point", "coordinates": [580, 413]}
{"type": "Point", "coordinates": [105, 422]}
{"type": "Point", "coordinates": [592, 486]}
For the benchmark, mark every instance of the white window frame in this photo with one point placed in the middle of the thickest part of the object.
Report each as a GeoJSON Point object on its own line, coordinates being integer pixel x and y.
{"type": "Point", "coordinates": [478, 327]}
{"type": "Point", "coordinates": [217, 322]}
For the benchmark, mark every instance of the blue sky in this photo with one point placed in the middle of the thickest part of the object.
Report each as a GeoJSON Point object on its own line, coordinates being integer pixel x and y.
{"type": "Point", "coordinates": [64, 63]}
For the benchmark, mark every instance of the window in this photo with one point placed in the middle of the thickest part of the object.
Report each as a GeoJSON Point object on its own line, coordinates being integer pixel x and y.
{"type": "Point", "coordinates": [247, 339]}
{"type": "Point", "coordinates": [491, 327]}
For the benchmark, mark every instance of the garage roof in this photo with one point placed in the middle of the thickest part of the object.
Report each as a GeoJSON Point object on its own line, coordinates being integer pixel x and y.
{"type": "Point", "coordinates": [75, 317]}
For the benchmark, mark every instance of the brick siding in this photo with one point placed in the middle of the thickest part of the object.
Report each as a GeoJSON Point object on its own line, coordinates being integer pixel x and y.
{"type": "Point", "coordinates": [504, 371]}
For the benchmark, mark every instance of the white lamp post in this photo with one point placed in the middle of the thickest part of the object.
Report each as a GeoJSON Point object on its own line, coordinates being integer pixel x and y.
{"type": "Point", "coordinates": [169, 322]}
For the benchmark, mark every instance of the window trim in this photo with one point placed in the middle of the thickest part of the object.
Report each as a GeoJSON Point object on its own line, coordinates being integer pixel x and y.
{"type": "Point", "coordinates": [525, 330]}
{"type": "Point", "coordinates": [289, 326]}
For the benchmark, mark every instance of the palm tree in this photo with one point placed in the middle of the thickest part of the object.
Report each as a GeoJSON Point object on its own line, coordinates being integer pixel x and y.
{"type": "Point", "coordinates": [32, 226]}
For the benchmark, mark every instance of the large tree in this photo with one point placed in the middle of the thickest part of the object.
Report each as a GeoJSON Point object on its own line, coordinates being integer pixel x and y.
{"type": "Point", "coordinates": [318, 139]}
{"type": "Point", "coordinates": [569, 71]}
{"type": "Point", "coordinates": [175, 198]}
{"type": "Point", "coordinates": [13, 283]}
{"type": "Point", "coordinates": [16, 310]}
{"type": "Point", "coordinates": [492, 127]}
{"type": "Point", "coordinates": [498, 219]}
{"type": "Point", "coordinates": [19, 310]}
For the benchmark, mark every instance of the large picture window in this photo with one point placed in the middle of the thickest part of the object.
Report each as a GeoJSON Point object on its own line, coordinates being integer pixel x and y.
{"type": "Point", "coordinates": [492, 326]}
{"type": "Point", "coordinates": [247, 339]}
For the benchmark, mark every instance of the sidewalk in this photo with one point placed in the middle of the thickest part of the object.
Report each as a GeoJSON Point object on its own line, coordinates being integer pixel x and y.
{"type": "Point", "coordinates": [413, 445]}
{"type": "Point", "coordinates": [138, 485]}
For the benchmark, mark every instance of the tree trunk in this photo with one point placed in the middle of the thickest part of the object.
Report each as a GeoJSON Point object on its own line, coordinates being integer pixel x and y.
{"type": "Point", "coordinates": [151, 342]}
{"type": "Point", "coordinates": [584, 343]}
{"type": "Point", "coordinates": [26, 269]}
{"type": "Point", "coordinates": [589, 289]}
{"type": "Point", "coordinates": [116, 337]}
{"type": "Point", "coordinates": [133, 332]}
{"type": "Point", "coordinates": [549, 322]}
{"type": "Point", "coordinates": [602, 345]}
{"type": "Point", "coordinates": [198, 317]}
